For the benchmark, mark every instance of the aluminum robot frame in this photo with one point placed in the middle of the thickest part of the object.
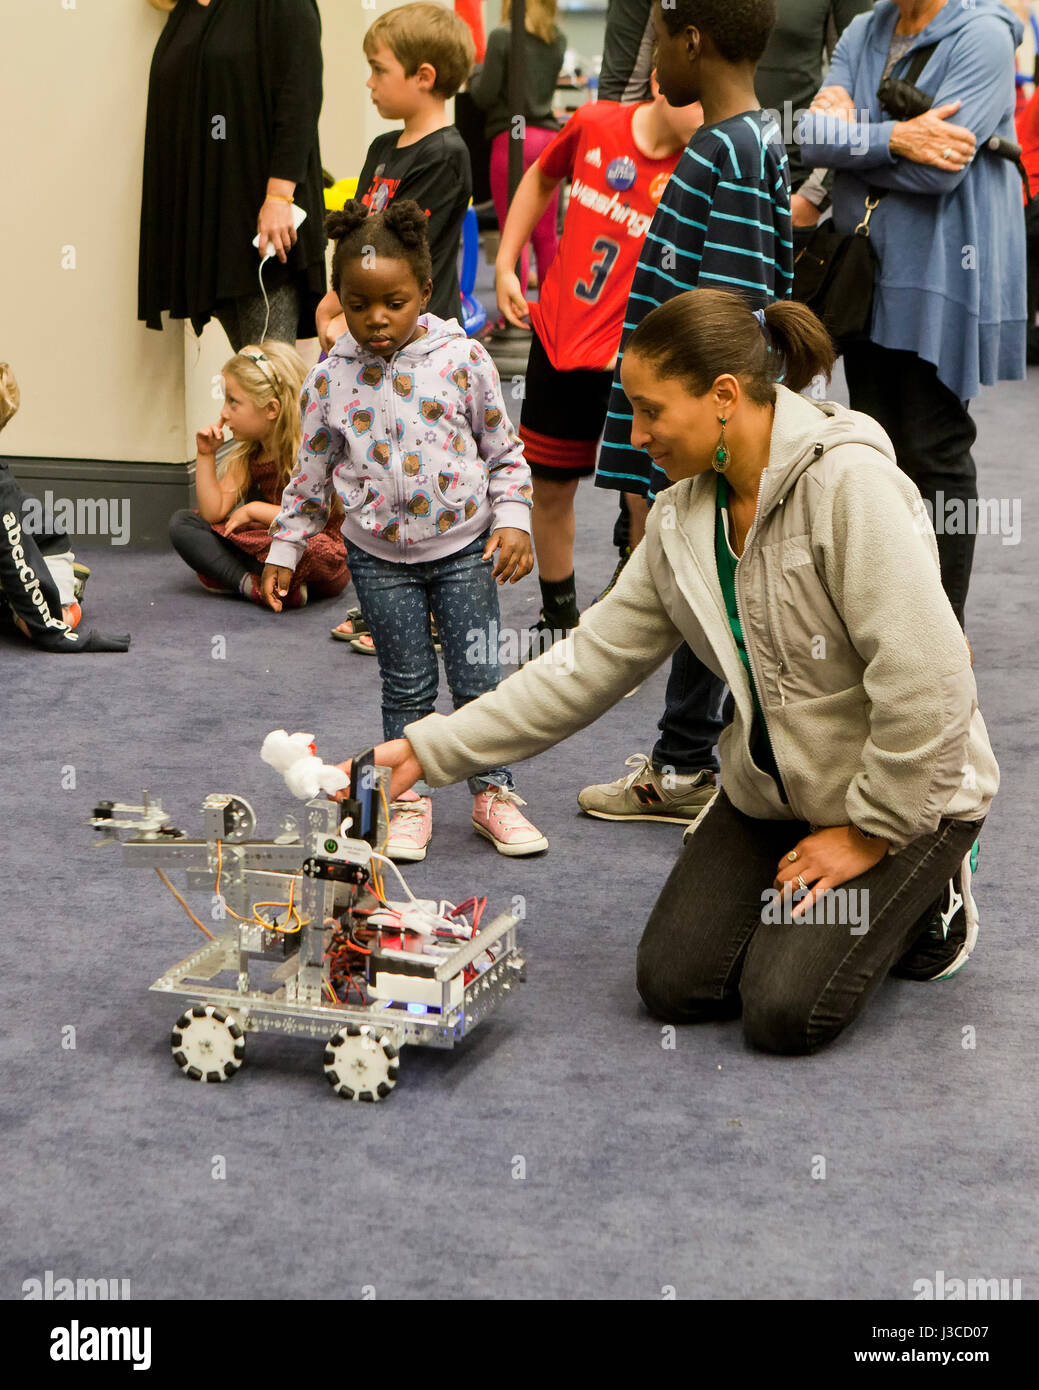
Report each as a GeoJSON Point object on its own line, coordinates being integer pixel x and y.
{"type": "Point", "coordinates": [363, 1041]}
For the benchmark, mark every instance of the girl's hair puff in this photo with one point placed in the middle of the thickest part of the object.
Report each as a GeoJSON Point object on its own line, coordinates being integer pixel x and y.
{"type": "Point", "coordinates": [399, 233]}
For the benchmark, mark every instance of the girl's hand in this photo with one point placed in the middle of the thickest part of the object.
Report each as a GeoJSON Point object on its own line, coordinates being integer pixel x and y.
{"type": "Point", "coordinates": [827, 858]}
{"type": "Point", "coordinates": [275, 225]}
{"type": "Point", "coordinates": [241, 516]}
{"type": "Point", "coordinates": [515, 557]}
{"type": "Point", "coordinates": [274, 584]}
{"type": "Point", "coordinates": [207, 441]}
{"type": "Point", "coordinates": [835, 101]}
{"type": "Point", "coordinates": [399, 755]}
{"type": "Point", "coordinates": [933, 139]}
{"type": "Point", "coordinates": [510, 297]}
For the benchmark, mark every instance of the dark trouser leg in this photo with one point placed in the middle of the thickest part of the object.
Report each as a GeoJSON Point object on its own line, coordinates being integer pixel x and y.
{"type": "Point", "coordinates": [803, 984]}
{"type": "Point", "coordinates": [243, 319]}
{"type": "Point", "coordinates": [622, 527]}
{"type": "Point", "coordinates": [708, 953]}
{"type": "Point", "coordinates": [199, 546]}
{"type": "Point", "coordinates": [692, 718]}
{"type": "Point", "coordinates": [932, 433]}
{"type": "Point", "coordinates": [691, 953]}
{"type": "Point", "coordinates": [284, 315]}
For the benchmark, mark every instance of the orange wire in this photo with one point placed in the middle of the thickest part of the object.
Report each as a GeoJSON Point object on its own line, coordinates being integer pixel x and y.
{"type": "Point", "coordinates": [184, 905]}
{"type": "Point", "coordinates": [256, 919]}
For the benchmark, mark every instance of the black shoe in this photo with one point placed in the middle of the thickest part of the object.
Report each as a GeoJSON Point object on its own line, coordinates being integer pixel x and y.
{"type": "Point", "coordinates": [949, 931]}
{"type": "Point", "coordinates": [541, 638]}
{"type": "Point", "coordinates": [625, 557]}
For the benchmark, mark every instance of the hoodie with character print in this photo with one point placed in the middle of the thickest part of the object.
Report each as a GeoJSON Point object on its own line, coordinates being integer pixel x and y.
{"type": "Point", "coordinates": [419, 448]}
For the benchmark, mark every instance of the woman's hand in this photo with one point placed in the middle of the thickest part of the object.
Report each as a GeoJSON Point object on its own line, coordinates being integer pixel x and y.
{"type": "Point", "coordinates": [515, 557]}
{"type": "Point", "coordinates": [510, 297]}
{"type": "Point", "coordinates": [274, 584]}
{"type": "Point", "coordinates": [241, 516]}
{"type": "Point", "coordinates": [825, 859]}
{"type": "Point", "coordinates": [933, 139]}
{"type": "Point", "coordinates": [835, 101]}
{"type": "Point", "coordinates": [400, 756]}
{"type": "Point", "coordinates": [207, 441]}
{"type": "Point", "coordinates": [275, 225]}
{"type": "Point", "coordinates": [802, 212]}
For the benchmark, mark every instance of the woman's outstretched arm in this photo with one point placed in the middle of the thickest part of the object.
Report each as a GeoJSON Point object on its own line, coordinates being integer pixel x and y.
{"type": "Point", "coordinates": [564, 690]}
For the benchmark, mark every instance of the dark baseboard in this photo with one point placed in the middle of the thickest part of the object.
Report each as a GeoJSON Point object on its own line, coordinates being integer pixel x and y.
{"type": "Point", "coordinates": [129, 505]}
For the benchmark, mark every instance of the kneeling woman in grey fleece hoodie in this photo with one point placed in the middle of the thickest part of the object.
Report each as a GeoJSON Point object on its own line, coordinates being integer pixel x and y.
{"type": "Point", "coordinates": [800, 565]}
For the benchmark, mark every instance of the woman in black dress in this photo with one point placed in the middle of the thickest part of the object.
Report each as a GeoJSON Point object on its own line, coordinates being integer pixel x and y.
{"type": "Point", "coordinates": [231, 143]}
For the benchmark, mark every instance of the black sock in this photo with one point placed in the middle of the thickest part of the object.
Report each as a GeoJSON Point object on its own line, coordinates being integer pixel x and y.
{"type": "Point", "coordinates": [559, 601]}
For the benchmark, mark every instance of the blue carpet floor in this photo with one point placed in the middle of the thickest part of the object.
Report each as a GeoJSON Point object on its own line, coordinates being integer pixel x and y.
{"type": "Point", "coordinates": [644, 1167]}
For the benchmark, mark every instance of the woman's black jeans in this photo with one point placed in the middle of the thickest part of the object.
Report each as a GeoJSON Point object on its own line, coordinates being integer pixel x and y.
{"type": "Point", "coordinates": [932, 432]}
{"type": "Point", "coordinates": [712, 948]}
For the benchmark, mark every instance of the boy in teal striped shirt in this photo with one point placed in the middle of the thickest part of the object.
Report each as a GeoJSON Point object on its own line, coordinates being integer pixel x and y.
{"type": "Point", "coordinates": [723, 222]}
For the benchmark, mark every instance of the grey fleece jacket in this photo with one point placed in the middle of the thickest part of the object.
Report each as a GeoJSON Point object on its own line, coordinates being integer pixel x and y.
{"type": "Point", "coordinates": [861, 669]}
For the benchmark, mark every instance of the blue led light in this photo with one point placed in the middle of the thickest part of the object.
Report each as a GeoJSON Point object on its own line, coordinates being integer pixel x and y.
{"type": "Point", "coordinates": [416, 1008]}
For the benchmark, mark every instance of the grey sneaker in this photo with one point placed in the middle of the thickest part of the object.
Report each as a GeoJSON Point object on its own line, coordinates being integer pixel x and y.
{"type": "Point", "coordinates": [646, 794]}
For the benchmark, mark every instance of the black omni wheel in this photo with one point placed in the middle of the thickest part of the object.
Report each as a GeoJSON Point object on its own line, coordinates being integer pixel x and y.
{"type": "Point", "coordinates": [207, 1043]}
{"type": "Point", "coordinates": [361, 1064]}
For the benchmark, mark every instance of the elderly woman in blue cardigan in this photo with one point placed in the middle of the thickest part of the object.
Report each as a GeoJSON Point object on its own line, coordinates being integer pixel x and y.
{"type": "Point", "coordinates": [949, 309]}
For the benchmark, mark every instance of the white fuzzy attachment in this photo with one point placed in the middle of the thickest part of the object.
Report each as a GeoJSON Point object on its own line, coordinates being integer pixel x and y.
{"type": "Point", "coordinates": [294, 756]}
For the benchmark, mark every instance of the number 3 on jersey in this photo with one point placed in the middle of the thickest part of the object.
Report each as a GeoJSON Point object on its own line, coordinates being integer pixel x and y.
{"type": "Point", "coordinates": [591, 289]}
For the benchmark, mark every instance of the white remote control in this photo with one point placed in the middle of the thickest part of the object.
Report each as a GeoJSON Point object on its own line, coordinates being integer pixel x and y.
{"type": "Point", "coordinates": [298, 217]}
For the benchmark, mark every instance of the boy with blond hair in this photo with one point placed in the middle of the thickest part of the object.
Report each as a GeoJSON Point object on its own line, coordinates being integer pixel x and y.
{"type": "Point", "coordinates": [420, 55]}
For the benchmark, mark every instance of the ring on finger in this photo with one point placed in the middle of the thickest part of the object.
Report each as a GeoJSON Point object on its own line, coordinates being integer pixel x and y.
{"type": "Point", "coordinates": [792, 855]}
{"type": "Point", "coordinates": [947, 153]}
{"type": "Point", "coordinates": [801, 884]}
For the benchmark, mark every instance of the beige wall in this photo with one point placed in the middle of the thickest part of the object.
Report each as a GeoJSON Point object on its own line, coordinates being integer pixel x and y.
{"type": "Point", "coordinates": [95, 383]}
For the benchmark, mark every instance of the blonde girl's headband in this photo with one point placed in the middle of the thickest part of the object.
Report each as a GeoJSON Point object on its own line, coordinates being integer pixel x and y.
{"type": "Point", "coordinates": [261, 358]}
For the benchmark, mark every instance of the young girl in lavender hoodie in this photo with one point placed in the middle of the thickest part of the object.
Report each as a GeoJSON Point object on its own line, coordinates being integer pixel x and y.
{"type": "Point", "coordinates": [405, 421]}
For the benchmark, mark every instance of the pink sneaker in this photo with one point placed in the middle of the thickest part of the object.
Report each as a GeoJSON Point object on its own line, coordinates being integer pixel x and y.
{"type": "Point", "coordinates": [411, 828]}
{"type": "Point", "coordinates": [497, 817]}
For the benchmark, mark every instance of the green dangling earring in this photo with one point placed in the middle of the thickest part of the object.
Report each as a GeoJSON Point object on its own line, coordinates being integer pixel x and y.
{"type": "Point", "coordinates": [721, 454]}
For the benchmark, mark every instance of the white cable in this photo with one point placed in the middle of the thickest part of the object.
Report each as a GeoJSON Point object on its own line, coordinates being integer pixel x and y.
{"type": "Point", "coordinates": [386, 860]}
{"type": "Point", "coordinates": [438, 919]}
{"type": "Point", "coordinates": [266, 301]}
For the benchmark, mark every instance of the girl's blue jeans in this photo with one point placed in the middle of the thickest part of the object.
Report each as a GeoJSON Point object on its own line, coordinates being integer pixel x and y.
{"type": "Point", "coordinates": [396, 600]}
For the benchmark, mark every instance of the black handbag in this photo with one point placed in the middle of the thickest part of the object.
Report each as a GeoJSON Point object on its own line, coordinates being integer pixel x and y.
{"type": "Point", "coordinates": [834, 273]}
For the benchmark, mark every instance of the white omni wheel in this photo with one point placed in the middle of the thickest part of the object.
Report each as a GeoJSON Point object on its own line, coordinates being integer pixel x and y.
{"type": "Point", "coordinates": [207, 1043]}
{"type": "Point", "coordinates": [360, 1065]}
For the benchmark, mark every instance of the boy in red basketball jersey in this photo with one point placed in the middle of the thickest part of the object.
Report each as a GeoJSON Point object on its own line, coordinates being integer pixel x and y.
{"type": "Point", "coordinates": [619, 158]}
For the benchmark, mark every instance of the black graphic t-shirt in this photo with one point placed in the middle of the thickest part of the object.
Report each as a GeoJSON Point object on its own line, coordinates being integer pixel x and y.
{"type": "Point", "coordinates": [435, 172]}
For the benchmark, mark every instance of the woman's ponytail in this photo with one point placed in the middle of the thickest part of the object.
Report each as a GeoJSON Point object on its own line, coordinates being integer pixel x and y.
{"type": "Point", "coordinates": [802, 342]}
{"type": "Point", "coordinates": [701, 335]}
